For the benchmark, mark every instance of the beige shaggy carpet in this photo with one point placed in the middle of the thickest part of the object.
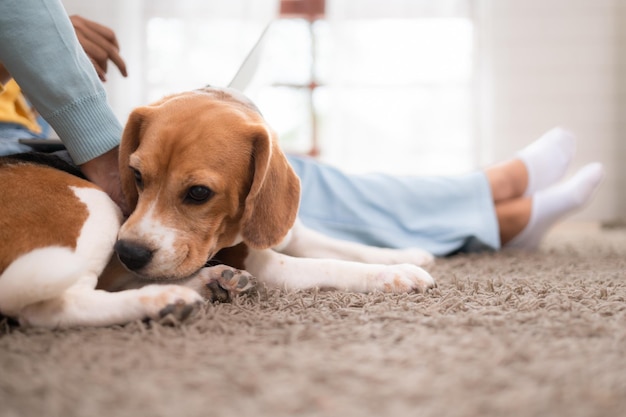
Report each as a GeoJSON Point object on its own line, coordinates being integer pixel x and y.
{"type": "Point", "coordinates": [505, 334]}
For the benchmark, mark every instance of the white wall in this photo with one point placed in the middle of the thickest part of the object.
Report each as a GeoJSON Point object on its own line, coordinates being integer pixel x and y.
{"type": "Point", "coordinates": [557, 62]}
{"type": "Point", "coordinates": [620, 128]}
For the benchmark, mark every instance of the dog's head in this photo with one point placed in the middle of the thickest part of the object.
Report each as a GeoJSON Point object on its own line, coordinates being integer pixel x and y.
{"type": "Point", "coordinates": [203, 171]}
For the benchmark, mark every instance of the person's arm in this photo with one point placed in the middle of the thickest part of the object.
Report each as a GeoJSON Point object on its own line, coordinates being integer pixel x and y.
{"type": "Point", "coordinates": [39, 48]}
{"type": "Point", "coordinates": [99, 43]}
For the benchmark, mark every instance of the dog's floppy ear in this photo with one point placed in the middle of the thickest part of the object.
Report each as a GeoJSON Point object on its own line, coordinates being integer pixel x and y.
{"type": "Point", "coordinates": [272, 203]}
{"type": "Point", "coordinates": [130, 142]}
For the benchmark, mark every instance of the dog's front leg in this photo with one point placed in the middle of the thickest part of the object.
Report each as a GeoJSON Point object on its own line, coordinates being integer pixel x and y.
{"type": "Point", "coordinates": [289, 272]}
{"type": "Point", "coordinates": [215, 283]}
{"type": "Point", "coordinates": [81, 305]}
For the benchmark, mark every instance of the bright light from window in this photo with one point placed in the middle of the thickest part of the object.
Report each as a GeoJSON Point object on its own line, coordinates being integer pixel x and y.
{"type": "Point", "coordinates": [189, 53]}
{"type": "Point", "coordinates": [394, 95]}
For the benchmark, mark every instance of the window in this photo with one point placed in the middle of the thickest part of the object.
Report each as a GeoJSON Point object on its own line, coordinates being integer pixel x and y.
{"type": "Point", "coordinates": [373, 86]}
{"type": "Point", "coordinates": [391, 94]}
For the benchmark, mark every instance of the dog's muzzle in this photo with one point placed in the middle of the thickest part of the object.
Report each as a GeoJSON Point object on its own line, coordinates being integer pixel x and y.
{"type": "Point", "coordinates": [133, 255]}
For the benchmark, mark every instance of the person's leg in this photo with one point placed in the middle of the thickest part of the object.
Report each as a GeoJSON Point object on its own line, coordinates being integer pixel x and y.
{"type": "Point", "coordinates": [441, 215]}
{"type": "Point", "coordinates": [547, 207]}
{"type": "Point", "coordinates": [513, 216]}
{"type": "Point", "coordinates": [507, 180]}
{"type": "Point", "coordinates": [524, 221]}
{"type": "Point", "coordinates": [525, 207]}
{"type": "Point", "coordinates": [537, 166]}
{"type": "Point", "coordinates": [547, 159]}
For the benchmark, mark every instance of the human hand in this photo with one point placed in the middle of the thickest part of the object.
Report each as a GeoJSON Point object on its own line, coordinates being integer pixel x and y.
{"type": "Point", "coordinates": [104, 172]}
{"type": "Point", "coordinates": [100, 44]}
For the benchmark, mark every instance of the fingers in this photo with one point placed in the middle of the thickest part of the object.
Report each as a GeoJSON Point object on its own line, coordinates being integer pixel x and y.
{"type": "Point", "coordinates": [100, 44]}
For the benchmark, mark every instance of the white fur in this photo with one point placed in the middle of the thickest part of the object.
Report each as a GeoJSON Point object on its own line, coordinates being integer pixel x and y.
{"type": "Point", "coordinates": [151, 229]}
{"type": "Point", "coordinates": [46, 273]}
{"type": "Point", "coordinates": [80, 306]}
{"type": "Point", "coordinates": [304, 242]}
{"type": "Point", "coordinates": [308, 259]}
{"type": "Point", "coordinates": [159, 237]}
{"type": "Point", "coordinates": [280, 270]}
{"type": "Point", "coordinates": [39, 275]}
{"type": "Point", "coordinates": [99, 232]}
{"type": "Point", "coordinates": [55, 287]}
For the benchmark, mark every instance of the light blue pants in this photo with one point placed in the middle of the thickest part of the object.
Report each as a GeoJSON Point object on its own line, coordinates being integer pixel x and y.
{"type": "Point", "coordinates": [443, 215]}
{"type": "Point", "coordinates": [11, 133]}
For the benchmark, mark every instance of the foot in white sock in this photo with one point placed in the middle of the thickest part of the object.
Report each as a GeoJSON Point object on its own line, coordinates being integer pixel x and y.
{"type": "Point", "coordinates": [551, 205]}
{"type": "Point", "coordinates": [547, 159]}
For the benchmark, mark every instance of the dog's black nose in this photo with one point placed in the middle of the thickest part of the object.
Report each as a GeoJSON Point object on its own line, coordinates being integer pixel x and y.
{"type": "Point", "coordinates": [133, 255]}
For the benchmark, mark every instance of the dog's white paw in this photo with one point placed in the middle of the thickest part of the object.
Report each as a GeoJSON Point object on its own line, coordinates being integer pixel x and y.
{"type": "Point", "coordinates": [160, 301]}
{"type": "Point", "coordinates": [403, 278]}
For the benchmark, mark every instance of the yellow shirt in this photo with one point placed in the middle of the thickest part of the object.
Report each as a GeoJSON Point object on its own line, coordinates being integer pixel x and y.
{"type": "Point", "coordinates": [15, 109]}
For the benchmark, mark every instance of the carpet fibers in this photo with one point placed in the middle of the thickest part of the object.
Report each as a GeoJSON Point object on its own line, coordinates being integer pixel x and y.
{"type": "Point", "coordinates": [505, 334]}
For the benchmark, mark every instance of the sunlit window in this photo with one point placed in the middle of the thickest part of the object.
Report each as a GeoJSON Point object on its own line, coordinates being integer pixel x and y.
{"type": "Point", "coordinates": [390, 94]}
{"type": "Point", "coordinates": [188, 53]}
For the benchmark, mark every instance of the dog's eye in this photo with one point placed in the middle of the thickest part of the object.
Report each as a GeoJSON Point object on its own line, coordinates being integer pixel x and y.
{"type": "Point", "coordinates": [138, 178]}
{"type": "Point", "coordinates": [198, 194]}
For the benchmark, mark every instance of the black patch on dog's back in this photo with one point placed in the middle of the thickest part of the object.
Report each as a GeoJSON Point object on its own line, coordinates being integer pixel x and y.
{"type": "Point", "coordinates": [45, 159]}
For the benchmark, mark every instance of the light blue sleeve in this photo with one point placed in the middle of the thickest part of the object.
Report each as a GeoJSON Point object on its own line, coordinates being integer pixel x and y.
{"type": "Point", "coordinates": [38, 46]}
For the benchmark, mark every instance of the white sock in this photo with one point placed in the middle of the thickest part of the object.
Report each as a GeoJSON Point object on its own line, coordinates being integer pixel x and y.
{"type": "Point", "coordinates": [551, 205]}
{"type": "Point", "coordinates": [547, 159]}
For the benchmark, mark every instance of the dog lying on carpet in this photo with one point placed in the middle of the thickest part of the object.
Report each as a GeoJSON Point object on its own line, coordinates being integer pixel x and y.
{"type": "Point", "coordinates": [207, 180]}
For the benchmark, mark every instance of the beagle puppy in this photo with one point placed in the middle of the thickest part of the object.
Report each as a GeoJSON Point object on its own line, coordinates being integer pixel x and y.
{"type": "Point", "coordinates": [58, 232]}
{"type": "Point", "coordinates": [207, 181]}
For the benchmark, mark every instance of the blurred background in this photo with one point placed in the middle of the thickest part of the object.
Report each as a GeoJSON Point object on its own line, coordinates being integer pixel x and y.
{"type": "Point", "coordinates": [415, 87]}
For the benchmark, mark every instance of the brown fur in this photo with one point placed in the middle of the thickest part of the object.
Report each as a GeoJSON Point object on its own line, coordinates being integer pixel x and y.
{"type": "Point", "coordinates": [37, 192]}
{"type": "Point", "coordinates": [233, 256]}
